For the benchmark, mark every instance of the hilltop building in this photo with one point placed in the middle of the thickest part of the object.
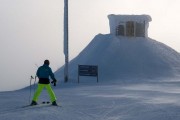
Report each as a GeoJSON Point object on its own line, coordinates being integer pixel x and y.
{"type": "Point", "coordinates": [129, 25]}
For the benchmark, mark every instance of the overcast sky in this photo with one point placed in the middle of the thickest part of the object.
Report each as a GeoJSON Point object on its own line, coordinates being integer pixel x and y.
{"type": "Point", "coordinates": [32, 31]}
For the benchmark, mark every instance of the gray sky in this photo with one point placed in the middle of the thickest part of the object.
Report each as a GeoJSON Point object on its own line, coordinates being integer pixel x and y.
{"type": "Point", "coordinates": [32, 31]}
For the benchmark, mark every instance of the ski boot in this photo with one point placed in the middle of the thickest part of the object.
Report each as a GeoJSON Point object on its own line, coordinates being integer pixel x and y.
{"type": "Point", "coordinates": [33, 103]}
{"type": "Point", "coordinates": [54, 103]}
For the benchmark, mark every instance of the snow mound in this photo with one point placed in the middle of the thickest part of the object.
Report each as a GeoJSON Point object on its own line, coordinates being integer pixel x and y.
{"type": "Point", "coordinates": [126, 57]}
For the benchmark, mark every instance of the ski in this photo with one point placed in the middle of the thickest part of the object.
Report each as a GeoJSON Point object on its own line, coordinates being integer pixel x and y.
{"type": "Point", "coordinates": [43, 104]}
{"type": "Point", "coordinates": [28, 107]}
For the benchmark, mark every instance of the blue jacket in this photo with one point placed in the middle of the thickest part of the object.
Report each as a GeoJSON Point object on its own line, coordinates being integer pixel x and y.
{"type": "Point", "coordinates": [44, 72]}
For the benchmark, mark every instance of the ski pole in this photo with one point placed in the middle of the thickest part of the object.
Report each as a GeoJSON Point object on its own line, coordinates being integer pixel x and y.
{"type": "Point", "coordinates": [30, 89]}
{"type": "Point", "coordinates": [35, 83]}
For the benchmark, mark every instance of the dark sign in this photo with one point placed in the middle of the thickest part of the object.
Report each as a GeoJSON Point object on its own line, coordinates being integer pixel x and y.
{"type": "Point", "coordinates": [87, 70]}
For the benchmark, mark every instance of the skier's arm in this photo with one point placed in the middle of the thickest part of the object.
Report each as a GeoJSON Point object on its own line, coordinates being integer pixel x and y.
{"type": "Point", "coordinates": [52, 75]}
{"type": "Point", "coordinates": [37, 73]}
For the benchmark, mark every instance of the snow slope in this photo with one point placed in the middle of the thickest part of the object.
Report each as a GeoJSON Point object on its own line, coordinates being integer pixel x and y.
{"type": "Point", "coordinates": [138, 81]}
{"type": "Point", "coordinates": [126, 58]}
{"type": "Point", "coordinates": [157, 100]}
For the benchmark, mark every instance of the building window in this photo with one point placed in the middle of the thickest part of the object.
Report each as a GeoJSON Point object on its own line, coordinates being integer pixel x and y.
{"type": "Point", "coordinates": [130, 28]}
{"type": "Point", "coordinates": [140, 29]}
{"type": "Point", "coordinates": [120, 30]}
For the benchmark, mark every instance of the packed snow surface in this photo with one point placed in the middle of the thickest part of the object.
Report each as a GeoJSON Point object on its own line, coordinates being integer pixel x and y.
{"type": "Point", "coordinates": [124, 101]}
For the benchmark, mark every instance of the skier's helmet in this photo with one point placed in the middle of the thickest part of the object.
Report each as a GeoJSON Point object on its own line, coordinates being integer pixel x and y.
{"type": "Point", "coordinates": [46, 62]}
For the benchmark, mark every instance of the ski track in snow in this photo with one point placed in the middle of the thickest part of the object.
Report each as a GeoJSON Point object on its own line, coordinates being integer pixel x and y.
{"type": "Point", "coordinates": [130, 101]}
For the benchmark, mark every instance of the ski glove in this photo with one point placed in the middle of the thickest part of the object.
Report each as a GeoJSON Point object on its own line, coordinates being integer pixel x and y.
{"type": "Point", "coordinates": [54, 82]}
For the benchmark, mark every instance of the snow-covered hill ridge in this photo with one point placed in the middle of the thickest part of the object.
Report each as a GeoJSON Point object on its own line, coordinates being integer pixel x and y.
{"type": "Point", "coordinates": [126, 57]}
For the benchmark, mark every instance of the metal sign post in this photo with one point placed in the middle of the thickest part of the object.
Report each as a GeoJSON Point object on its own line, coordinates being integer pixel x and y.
{"type": "Point", "coordinates": [66, 52]}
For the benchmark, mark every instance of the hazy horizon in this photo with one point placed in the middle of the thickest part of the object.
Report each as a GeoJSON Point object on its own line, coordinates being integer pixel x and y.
{"type": "Point", "coordinates": [32, 31]}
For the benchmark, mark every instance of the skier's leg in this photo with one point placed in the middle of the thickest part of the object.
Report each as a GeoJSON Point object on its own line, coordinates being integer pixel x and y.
{"type": "Point", "coordinates": [38, 92]}
{"type": "Point", "coordinates": [50, 92]}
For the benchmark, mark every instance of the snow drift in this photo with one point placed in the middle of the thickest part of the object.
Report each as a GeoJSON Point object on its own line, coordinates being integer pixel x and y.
{"type": "Point", "coordinates": [126, 57]}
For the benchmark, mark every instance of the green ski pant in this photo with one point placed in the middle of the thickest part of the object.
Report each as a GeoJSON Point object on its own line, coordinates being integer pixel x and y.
{"type": "Point", "coordinates": [49, 90]}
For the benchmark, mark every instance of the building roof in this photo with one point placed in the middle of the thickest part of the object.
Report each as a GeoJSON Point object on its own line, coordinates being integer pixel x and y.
{"type": "Point", "coordinates": [124, 18]}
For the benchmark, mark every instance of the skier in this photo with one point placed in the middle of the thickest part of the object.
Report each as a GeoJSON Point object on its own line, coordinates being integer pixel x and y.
{"type": "Point", "coordinates": [43, 74]}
